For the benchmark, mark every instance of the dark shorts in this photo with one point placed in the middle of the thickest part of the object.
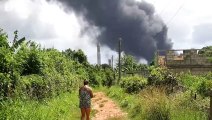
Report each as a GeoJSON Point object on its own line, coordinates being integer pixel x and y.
{"type": "Point", "coordinates": [85, 104]}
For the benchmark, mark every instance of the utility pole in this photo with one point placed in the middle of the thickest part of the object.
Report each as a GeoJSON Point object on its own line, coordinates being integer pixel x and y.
{"type": "Point", "coordinates": [119, 60]}
{"type": "Point", "coordinates": [98, 54]}
{"type": "Point", "coordinates": [157, 58]}
{"type": "Point", "coordinates": [112, 61]}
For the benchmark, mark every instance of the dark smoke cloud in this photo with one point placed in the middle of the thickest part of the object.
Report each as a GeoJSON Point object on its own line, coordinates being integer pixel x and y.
{"type": "Point", "coordinates": [142, 31]}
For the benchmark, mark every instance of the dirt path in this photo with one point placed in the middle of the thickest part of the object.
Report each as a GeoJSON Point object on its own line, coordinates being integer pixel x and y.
{"type": "Point", "coordinates": [105, 108]}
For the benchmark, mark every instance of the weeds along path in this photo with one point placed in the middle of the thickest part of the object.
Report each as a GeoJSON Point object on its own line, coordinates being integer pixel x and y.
{"type": "Point", "coordinates": [106, 109]}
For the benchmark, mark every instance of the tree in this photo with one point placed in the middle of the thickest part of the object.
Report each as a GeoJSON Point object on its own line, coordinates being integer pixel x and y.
{"type": "Point", "coordinates": [3, 39]}
{"type": "Point", "coordinates": [69, 53]}
{"type": "Point", "coordinates": [207, 52]}
{"type": "Point", "coordinates": [6, 56]}
{"type": "Point", "coordinates": [78, 56]}
{"type": "Point", "coordinates": [128, 63]}
{"type": "Point", "coordinates": [32, 65]}
{"type": "Point", "coordinates": [16, 42]}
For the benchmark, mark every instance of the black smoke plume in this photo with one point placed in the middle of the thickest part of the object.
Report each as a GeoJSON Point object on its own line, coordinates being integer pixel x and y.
{"type": "Point", "coordinates": [141, 30]}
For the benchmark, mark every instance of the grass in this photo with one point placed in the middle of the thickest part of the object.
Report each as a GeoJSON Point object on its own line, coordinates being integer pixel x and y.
{"type": "Point", "coordinates": [149, 104]}
{"type": "Point", "coordinates": [63, 107]}
{"type": "Point", "coordinates": [154, 104]}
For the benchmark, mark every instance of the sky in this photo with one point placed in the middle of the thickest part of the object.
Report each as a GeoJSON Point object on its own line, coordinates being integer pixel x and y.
{"type": "Point", "coordinates": [189, 25]}
{"type": "Point", "coordinates": [189, 21]}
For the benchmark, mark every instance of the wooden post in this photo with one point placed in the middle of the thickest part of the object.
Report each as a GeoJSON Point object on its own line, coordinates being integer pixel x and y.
{"type": "Point", "coordinates": [210, 113]}
{"type": "Point", "coordinates": [157, 58]}
{"type": "Point", "coordinates": [119, 60]}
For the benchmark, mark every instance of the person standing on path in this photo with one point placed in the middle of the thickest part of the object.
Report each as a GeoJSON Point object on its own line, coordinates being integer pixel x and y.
{"type": "Point", "coordinates": [85, 95]}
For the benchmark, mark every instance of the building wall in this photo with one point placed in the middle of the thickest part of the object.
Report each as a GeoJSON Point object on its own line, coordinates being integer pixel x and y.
{"type": "Point", "coordinates": [189, 60]}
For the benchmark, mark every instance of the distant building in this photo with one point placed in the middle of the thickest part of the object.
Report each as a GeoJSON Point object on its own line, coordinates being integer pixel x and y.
{"type": "Point", "coordinates": [188, 60]}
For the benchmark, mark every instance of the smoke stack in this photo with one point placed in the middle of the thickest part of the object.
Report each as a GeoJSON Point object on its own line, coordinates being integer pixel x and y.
{"type": "Point", "coordinates": [98, 54]}
{"type": "Point", "coordinates": [109, 62]}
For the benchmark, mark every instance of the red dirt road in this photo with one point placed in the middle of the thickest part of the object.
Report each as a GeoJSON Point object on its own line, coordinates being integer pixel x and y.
{"type": "Point", "coordinates": [105, 108]}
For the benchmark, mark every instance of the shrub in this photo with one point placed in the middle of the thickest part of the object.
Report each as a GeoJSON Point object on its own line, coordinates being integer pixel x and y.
{"type": "Point", "coordinates": [109, 78]}
{"type": "Point", "coordinates": [5, 85]}
{"type": "Point", "coordinates": [133, 84]}
{"type": "Point", "coordinates": [192, 82]}
{"type": "Point", "coordinates": [208, 76]}
{"type": "Point", "coordinates": [32, 65]}
{"type": "Point", "coordinates": [93, 79]}
{"type": "Point", "coordinates": [204, 87]}
{"type": "Point", "coordinates": [34, 86]}
{"type": "Point", "coordinates": [32, 72]}
{"type": "Point", "coordinates": [161, 76]}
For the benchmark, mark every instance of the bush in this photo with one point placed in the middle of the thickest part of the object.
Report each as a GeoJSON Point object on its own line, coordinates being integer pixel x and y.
{"type": "Point", "coordinates": [5, 85]}
{"type": "Point", "coordinates": [133, 84]}
{"type": "Point", "coordinates": [93, 79]}
{"type": "Point", "coordinates": [161, 76]}
{"type": "Point", "coordinates": [109, 80]}
{"type": "Point", "coordinates": [192, 82]}
{"type": "Point", "coordinates": [28, 71]}
{"type": "Point", "coordinates": [32, 65]}
{"type": "Point", "coordinates": [204, 88]}
{"type": "Point", "coordinates": [100, 76]}
{"type": "Point", "coordinates": [208, 76]}
{"type": "Point", "coordinates": [34, 86]}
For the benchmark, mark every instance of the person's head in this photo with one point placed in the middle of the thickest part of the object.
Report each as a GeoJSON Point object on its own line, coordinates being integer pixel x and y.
{"type": "Point", "coordinates": [85, 82]}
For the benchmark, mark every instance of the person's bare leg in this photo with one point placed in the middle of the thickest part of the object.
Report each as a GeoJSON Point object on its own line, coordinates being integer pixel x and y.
{"type": "Point", "coordinates": [87, 111]}
{"type": "Point", "coordinates": [83, 111]}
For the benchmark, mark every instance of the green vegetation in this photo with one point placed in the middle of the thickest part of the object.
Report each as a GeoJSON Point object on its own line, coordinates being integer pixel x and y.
{"type": "Point", "coordinates": [129, 63]}
{"type": "Point", "coordinates": [133, 84]}
{"type": "Point", "coordinates": [163, 96]}
{"type": "Point", "coordinates": [161, 76]}
{"type": "Point", "coordinates": [62, 107]}
{"type": "Point", "coordinates": [154, 104]}
{"type": "Point", "coordinates": [39, 83]}
{"type": "Point", "coordinates": [207, 52]}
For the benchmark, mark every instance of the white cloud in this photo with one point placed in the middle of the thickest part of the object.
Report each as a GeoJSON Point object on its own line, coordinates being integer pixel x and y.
{"type": "Point", "coordinates": [14, 6]}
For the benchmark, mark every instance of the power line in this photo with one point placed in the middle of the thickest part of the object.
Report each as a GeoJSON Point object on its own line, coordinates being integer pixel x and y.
{"type": "Point", "coordinates": [178, 10]}
{"type": "Point", "coordinates": [154, 2]}
{"type": "Point", "coordinates": [164, 8]}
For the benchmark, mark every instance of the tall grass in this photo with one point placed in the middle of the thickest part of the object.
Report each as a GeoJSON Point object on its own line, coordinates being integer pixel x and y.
{"type": "Point", "coordinates": [62, 107]}
{"type": "Point", "coordinates": [154, 104]}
